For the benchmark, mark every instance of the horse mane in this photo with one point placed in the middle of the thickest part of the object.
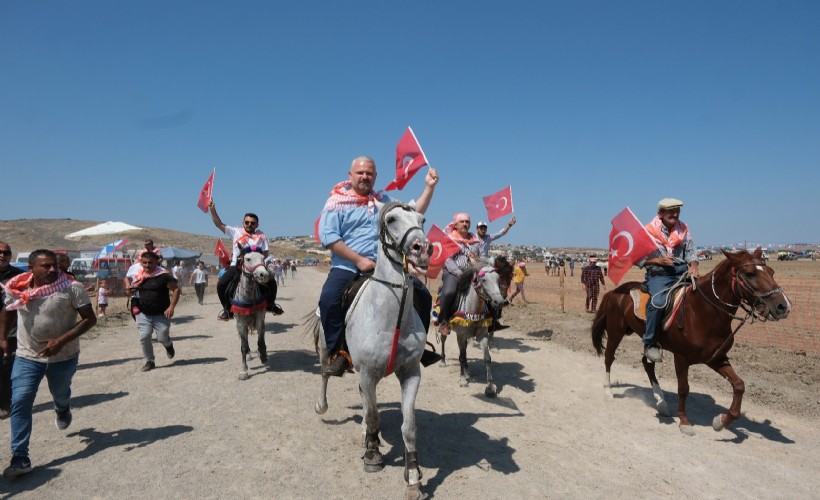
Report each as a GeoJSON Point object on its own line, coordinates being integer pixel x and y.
{"type": "Point", "coordinates": [503, 267]}
{"type": "Point", "coordinates": [466, 277]}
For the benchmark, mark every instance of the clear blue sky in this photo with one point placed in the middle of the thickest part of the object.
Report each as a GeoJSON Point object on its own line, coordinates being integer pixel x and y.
{"type": "Point", "coordinates": [119, 110]}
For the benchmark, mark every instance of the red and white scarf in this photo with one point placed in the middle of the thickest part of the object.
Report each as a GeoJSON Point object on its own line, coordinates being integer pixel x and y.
{"type": "Point", "coordinates": [20, 288]}
{"type": "Point", "coordinates": [141, 275]}
{"type": "Point", "coordinates": [344, 196]}
{"type": "Point", "coordinates": [677, 234]}
{"type": "Point", "coordinates": [256, 238]}
{"type": "Point", "coordinates": [454, 234]}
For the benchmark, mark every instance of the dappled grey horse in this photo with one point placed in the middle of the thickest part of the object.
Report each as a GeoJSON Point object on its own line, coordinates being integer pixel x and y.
{"type": "Point", "coordinates": [385, 334]}
{"type": "Point", "coordinates": [478, 287]}
{"type": "Point", "coordinates": [250, 302]}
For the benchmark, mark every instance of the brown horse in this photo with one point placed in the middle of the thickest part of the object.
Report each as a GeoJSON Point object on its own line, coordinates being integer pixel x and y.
{"type": "Point", "coordinates": [702, 332]}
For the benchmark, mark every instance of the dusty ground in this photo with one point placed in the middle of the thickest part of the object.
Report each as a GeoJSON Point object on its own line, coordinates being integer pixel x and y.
{"type": "Point", "coordinates": [190, 428]}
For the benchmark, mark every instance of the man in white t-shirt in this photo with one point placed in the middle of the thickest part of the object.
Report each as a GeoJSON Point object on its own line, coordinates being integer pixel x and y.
{"type": "Point", "coordinates": [248, 234]}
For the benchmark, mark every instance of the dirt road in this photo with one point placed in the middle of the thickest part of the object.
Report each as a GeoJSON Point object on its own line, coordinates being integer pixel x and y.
{"type": "Point", "coordinates": [190, 428]}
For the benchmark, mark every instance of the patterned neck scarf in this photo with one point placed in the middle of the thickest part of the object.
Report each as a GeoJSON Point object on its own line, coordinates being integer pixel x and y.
{"type": "Point", "coordinates": [676, 235]}
{"type": "Point", "coordinates": [20, 288]}
{"type": "Point", "coordinates": [343, 196]}
{"type": "Point", "coordinates": [142, 275]}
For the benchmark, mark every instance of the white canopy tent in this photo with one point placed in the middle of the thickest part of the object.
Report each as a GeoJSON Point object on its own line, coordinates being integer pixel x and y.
{"type": "Point", "coordinates": [106, 228]}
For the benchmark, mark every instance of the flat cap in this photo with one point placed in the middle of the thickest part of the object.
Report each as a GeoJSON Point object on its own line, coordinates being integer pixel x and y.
{"type": "Point", "coordinates": [669, 204]}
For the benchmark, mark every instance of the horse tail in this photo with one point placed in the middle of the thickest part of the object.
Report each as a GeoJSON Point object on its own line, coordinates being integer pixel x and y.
{"type": "Point", "coordinates": [311, 324]}
{"type": "Point", "coordinates": [599, 324]}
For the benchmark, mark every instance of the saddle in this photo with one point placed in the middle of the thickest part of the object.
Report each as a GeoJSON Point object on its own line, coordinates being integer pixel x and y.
{"type": "Point", "coordinates": [640, 299]}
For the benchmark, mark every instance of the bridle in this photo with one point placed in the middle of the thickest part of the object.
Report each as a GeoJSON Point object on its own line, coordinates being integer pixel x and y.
{"type": "Point", "coordinates": [739, 287]}
{"type": "Point", "coordinates": [478, 284]}
{"type": "Point", "coordinates": [389, 243]}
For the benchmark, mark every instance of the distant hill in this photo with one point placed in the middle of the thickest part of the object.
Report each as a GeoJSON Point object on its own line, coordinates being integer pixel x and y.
{"type": "Point", "coordinates": [25, 235]}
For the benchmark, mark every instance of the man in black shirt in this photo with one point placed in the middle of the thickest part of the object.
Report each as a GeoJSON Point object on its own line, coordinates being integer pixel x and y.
{"type": "Point", "coordinates": [156, 306]}
{"type": "Point", "coordinates": [7, 271]}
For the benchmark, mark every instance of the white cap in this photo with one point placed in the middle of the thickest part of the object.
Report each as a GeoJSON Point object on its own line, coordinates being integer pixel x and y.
{"type": "Point", "coordinates": [481, 223]}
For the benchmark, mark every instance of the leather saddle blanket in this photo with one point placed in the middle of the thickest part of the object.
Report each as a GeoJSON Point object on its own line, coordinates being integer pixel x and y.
{"type": "Point", "coordinates": [640, 299]}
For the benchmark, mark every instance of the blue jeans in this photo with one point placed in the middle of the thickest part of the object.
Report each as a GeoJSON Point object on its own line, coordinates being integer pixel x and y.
{"type": "Point", "coordinates": [658, 291]}
{"type": "Point", "coordinates": [330, 305]}
{"type": "Point", "coordinates": [25, 379]}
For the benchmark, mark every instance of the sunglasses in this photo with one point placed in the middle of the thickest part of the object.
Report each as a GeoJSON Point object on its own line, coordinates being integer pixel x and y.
{"type": "Point", "coordinates": [5, 252]}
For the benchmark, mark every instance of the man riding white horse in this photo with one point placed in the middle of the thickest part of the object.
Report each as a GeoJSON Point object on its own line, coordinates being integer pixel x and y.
{"type": "Point", "coordinates": [348, 227]}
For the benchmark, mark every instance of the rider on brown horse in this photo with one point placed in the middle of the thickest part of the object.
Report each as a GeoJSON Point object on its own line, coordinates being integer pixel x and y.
{"type": "Point", "coordinates": [675, 257]}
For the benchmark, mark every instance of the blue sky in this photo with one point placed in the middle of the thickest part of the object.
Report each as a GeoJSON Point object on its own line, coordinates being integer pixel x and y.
{"type": "Point", "coordinates": [119, 111]}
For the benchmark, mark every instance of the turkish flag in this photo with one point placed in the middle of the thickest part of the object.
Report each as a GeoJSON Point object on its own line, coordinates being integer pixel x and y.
{"type": "Point", "coordinates": [222, 252]}
{"type": "Point", "coordinates": [205, 194]}
{"type": "Point", "coordinates": [443, 248]}
{"type": "Point", "coordinates": [499, 204]}
{"type": "Point", "coordinates": [629, 242]}
{"type": "Point", "coordinates": [409, 159]}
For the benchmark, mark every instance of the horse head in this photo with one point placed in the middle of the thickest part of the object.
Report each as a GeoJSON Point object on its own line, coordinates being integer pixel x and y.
{"type": "Point", "coordinates": [485, 279]}
{"type": "Point", "coordinates": [401, 235]}
{"type": "Point", "coordinates": [252, 263]}
{"type": "Point", "coordinates": [753, 283]}
{"type": "Point", "coordinates": [505, 273]}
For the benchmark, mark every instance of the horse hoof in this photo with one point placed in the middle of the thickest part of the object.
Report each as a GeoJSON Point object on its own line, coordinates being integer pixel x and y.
{"type": "Point", "coordinates": [687, 430]}
{"type": "Point", "coordinates": [489, 391]}
{"type": "Point", "coordinates": [663, 409]}
{"type": "Point", "coordinates": [717, 423]}
{"type": "Point", "coordinates": [320, 409]}
{"type": "Point", "coordinates": [263, 358]}
{"type": "Point", "coordinates": [442, 363]}
{"type": "Point", "coordinates": [463, 383]}
{"type": "Point", "coordinates": [373, 461]}
{"type": "Point", "coordinates": [413, 492]}
{"type": "Point", "coordinates": [243, 376]}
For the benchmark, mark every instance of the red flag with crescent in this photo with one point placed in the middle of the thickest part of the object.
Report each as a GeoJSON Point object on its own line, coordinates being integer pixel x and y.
{"type": "Point", "coordinates": [205, 194]}
{"type": "Point", "coordinates": [409, 159]}
{"type": "Point", "coordinates": [443, 248]}
{"type": "Point", "coordinates": [629, 242]}
{"type": "Point", "coordinates": [499, 204]}
{"type": "Point", "coordinates": [222, 252]}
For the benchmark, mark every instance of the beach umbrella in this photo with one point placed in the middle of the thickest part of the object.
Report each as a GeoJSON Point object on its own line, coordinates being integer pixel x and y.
{"type": "Point", "coordinates": [106, 228]}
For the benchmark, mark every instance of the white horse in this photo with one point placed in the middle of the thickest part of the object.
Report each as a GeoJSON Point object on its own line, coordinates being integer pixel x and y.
{"type": "Point", "coordinates": [249, 303]}
{"type": "Point", "coordinates": [479, 287]}
{"type": "Point", "coordinates": [385, 334]}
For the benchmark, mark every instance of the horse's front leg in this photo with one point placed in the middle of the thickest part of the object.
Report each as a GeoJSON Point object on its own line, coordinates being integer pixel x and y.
{"type": "Point", "coordinates": [682, 372]}
{"type": "Point", "coordinates": [462, 340]}
{"type": "Point", "coordinates": [443, 361]}
{"type": "Point", "coordinates": [489, 391]}
{"type": "Point", "coordinates": [260, 342]}
{"type": "Point", "coordinates": [244, 348]}
{"type": "Point", "coordinates": [373, 459]}
{"type": "Point", "coordinates": [409, 389]}
{"type": "Point", "coordinates": [321, 405]}
{"type": "Point", "coordinates": [724, 368]}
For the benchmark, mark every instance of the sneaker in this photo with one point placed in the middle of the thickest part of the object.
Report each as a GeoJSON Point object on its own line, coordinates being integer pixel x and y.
{"type": "Point", "coordinates": [496, 327]}
{"type": "Point", "coordinates": [18, 467]}
{"type": "Point", "coordinates": [170, 351]}
{"type": "Point", "coordinates": [148, 366]}
{"type": "Point", "coordinates": [63, 419]}
{"type": "Point", "coordinates": [429, 357]}
{"type": "Point", "coordinates": [223, 315]}
{"type": "Point", "coordinates": [653, 354]}
{"type": "Point", "coordinates": [337, 366]}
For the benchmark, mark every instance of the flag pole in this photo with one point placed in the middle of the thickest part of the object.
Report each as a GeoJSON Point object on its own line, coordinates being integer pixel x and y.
{"type": "Point", "coordinates": [419, 145]}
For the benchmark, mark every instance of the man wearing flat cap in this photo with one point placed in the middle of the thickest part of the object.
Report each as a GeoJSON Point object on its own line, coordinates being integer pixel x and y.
{"type": "Point", "coordinates": [675, 257]}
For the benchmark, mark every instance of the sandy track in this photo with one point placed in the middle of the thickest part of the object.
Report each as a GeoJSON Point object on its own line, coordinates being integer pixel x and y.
{"type": "Point", "coordinates": [190, 428]}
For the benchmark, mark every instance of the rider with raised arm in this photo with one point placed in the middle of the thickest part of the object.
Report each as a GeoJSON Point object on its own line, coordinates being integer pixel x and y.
{"type": "Point", "coordinates": [675, 257]}
{"type": "Point", "coordinates": [349, 227]}
{"type": "Point", "coordinates": [248, 234]}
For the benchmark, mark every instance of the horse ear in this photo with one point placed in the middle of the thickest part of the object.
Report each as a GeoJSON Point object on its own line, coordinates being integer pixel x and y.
{"type": "Point", "coordinates": [758, 253]}
{"type": "Point", "coordinates": [727, 254]}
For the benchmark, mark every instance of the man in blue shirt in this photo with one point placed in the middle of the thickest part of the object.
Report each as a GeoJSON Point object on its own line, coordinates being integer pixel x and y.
{"type": "Point", "coordinates": [349, 227]}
